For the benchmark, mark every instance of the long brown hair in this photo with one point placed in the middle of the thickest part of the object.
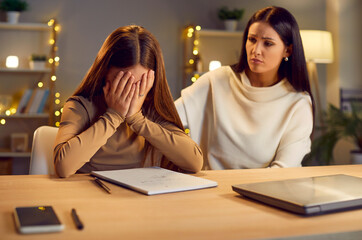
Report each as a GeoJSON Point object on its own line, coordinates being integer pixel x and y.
{"type": "Point", "coordinates": [126, 47]}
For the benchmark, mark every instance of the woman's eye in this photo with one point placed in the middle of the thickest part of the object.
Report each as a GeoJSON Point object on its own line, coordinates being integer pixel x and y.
{"type": "Point", "coordinates": [251, 39]}
{"type": "Point", "coordinates": [268, 44]}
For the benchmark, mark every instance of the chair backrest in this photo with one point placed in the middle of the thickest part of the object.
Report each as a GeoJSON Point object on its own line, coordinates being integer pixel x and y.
{"type": "Point", "coordinates": [41, 161]}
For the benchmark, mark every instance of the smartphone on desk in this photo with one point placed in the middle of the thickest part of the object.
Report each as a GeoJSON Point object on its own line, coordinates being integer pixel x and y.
{"type": "Point", "coordinates": [37, 219]}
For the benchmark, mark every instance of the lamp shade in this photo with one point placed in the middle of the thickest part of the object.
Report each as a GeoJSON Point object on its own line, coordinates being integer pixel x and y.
{"type": "Point", "coordinates": [318, 46]}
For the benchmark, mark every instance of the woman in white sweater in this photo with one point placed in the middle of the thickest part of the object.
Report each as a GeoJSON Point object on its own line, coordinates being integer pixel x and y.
{"type": "Point", "coordinates": [258, 112]}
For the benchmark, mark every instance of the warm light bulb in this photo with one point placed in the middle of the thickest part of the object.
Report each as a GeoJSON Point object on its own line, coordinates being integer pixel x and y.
{"type": "Point", "coordinates": [51, 60]}
{"type": "Point", "coordinates": [40, 84]}
{"type": "Point", "coordinates": [195, 52]}
{"type": "Point", "coordinates": [198, 28]}
{"type": "Point", "coordinates": [57, 95]}
{"type": "Point", "coordinates": [189, 34]}
{"type": "Point", "coordinates": [7, 112]}
{"type": "Point", "coordinates": [2, 121]}
{"type": "Point", "coordinates": [12, 62]}
{"type": "Point", "coordinates": [57, 28]}
{"type": "Point", "coordinates": [57, 101]}
{"type": "Point", "coordinates": [13, 110]}
{"type": "Point", "coordinates": [53, 78]}
{"type": "Point", "coordinates": [51, 22]}
{"type": "Point", "coordinates": [191, 61]}
{"type": "Point", "coordinates": [214, 65]}
{"type": "Point", "coordinates": [196, 42]}
{"type": "Point", "coordinates": [57, 124]}
{"type": "Point", "coordinates": [56, 59]}
{"type": "Point", "coordinates": [51, 41]}
{"type": "Point", "coordinates": [57, 113]}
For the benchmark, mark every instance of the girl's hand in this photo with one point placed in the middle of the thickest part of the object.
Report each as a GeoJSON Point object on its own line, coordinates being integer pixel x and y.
{"type": "Point", "coordinates": [119, 93]}
{"type": "Point", "coordinates": [141, 90]}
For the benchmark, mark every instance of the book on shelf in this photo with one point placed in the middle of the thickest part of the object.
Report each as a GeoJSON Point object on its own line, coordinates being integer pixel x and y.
{"type": "Point", "coordinates": [43, 101]}
{"type": "Point", "coordinates": [33, 101]}
{"type": "Point", "coordinates": [24, 101]}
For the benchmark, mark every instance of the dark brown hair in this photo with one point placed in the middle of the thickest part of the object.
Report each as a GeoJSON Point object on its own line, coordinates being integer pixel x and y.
{"type": "Point", "coordinates": [126, 47]}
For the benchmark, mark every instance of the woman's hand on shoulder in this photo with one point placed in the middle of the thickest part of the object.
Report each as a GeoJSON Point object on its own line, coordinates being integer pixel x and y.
{"type": "Point", "coordinates": [119, 93]}
{"type": "Point", "coordinates": [141, 90]}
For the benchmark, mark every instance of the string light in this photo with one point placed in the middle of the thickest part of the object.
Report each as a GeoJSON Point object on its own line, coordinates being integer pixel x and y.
{"type": "Point", "coordinates": [51, 41]}
{"type": "Point", "coordinates": [51, 22]}
{"type": "Point", "coordinates": [198, 28]}
{"type": "Point", "coordinates": [7, 112]}
{"type": "Point", "coordinates": [13, 110]}
{"type": "Point", "coordinates": [40, 84]}
{"type": "Point", "coordinates": [57, 124]}
{"type": "Point", "coordinates": [53, 78]}
{"type": "Point", "coordinates": [191, 61]}
{"type": "Point", "coordinates": [57, 101]}
{"type": "Point", "coordinates": [57, 95]}
{"type": "Point", "coordinates": [2, 121]}
{"type": "Point", "coordinates": [57, 28]}
{"type": "Point", "coordinates": [57, 113]}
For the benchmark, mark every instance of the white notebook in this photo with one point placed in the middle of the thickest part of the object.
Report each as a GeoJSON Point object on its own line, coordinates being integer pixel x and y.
{"type": "Point", "coordinates": [154, 180]}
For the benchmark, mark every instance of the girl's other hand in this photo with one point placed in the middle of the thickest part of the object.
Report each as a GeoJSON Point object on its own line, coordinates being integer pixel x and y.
{"type": "Point", "coordinates": [119, 93]}
{"type": "Point", "coordinates": [141, 90]}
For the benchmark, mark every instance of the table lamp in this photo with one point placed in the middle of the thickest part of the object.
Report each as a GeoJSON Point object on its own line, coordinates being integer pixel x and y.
{"type": "Point", "coordinates": [318, 48]}
{"type": "Point", "coordinates": [12, 62]}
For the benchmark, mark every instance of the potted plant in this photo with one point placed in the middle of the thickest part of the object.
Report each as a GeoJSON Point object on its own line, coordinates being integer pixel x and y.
{"type": "Point", "coordinates": [37, 61]}
{"type": "Point", "coordinates": [339, 125]}
{"type": "Point", "coordinates": [230, 17]}
{"type": "Point", "coordinates": [13, 9]}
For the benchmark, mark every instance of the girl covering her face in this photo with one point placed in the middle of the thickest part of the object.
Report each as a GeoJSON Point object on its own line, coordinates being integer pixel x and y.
{"type": "Point", "coordinates": [122, 115]}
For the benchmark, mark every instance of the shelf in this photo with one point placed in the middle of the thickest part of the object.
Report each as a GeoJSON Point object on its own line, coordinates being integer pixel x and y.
{"type": "Point", "coordinates": [23, 70]}
{"type": "Point", "coordinates": [25, 26]}
{"type": "Point", "coordinates": [9, 153]}
{"type": "Point", "coordinates": [23, 115]}
{"type": "Point", "coordinates": [218, 33]}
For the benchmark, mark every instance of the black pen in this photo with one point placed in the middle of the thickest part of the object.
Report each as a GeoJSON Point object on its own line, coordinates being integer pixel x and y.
{"type": "Point", "coordinates": [102, 185]}
{"type": "Point", "coordinates": [76, 219]}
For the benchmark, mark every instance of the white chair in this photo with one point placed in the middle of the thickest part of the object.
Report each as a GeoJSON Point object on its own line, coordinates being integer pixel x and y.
{"type": "Point", "coordinates": [41, 161]}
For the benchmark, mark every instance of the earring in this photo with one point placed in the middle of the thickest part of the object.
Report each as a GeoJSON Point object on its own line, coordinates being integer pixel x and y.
{"type": "Point", "coordinates": [286, 59]}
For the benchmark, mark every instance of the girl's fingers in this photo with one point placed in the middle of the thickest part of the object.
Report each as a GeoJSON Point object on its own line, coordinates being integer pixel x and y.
{"type": "Point", "coordinates": [150, 80]}
{"type": "Point", "coordinates": [122, 83]}
{"type": "Point", "coordinates": [116, 80]}
{"type": "Point", "coordinates": [142, 90]}
{"type": "Point", "coordinates": [128, 86]}
{"type": "Point", "coordinates": [137, 90]}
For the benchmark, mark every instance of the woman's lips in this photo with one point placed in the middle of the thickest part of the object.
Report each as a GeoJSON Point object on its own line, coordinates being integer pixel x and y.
{"type": "Point", "coordinates": [256, 61]}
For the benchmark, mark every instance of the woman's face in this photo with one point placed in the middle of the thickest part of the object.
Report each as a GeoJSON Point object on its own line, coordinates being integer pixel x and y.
{"type": "Point", "coordinates": [137, 71]}
{"type": "Point", "coordinates": [265, 49]}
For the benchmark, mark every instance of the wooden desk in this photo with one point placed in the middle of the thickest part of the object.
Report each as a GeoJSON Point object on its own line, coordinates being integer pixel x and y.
{"type": "Point", "coordinates": [215, 213]}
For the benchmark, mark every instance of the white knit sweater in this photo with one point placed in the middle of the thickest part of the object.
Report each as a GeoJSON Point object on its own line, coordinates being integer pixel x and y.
{"type": "Point", "coordinates": [241, 126]}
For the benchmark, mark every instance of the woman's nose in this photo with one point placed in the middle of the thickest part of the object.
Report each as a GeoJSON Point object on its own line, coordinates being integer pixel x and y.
{"type": "Point", "coordinates": [257, 49]}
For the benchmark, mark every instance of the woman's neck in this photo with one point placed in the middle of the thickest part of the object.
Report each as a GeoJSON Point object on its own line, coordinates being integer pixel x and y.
{"type": "Point", "coordinates": [266, 79]}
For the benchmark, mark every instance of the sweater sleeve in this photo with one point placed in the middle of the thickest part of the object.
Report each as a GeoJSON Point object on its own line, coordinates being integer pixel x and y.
{"type": "Point", "coordinates": [78, 140]}
{"type": "Point", "coordinates": [171, 141]}
{"type": "Point", "coordinates": [295, 142]}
